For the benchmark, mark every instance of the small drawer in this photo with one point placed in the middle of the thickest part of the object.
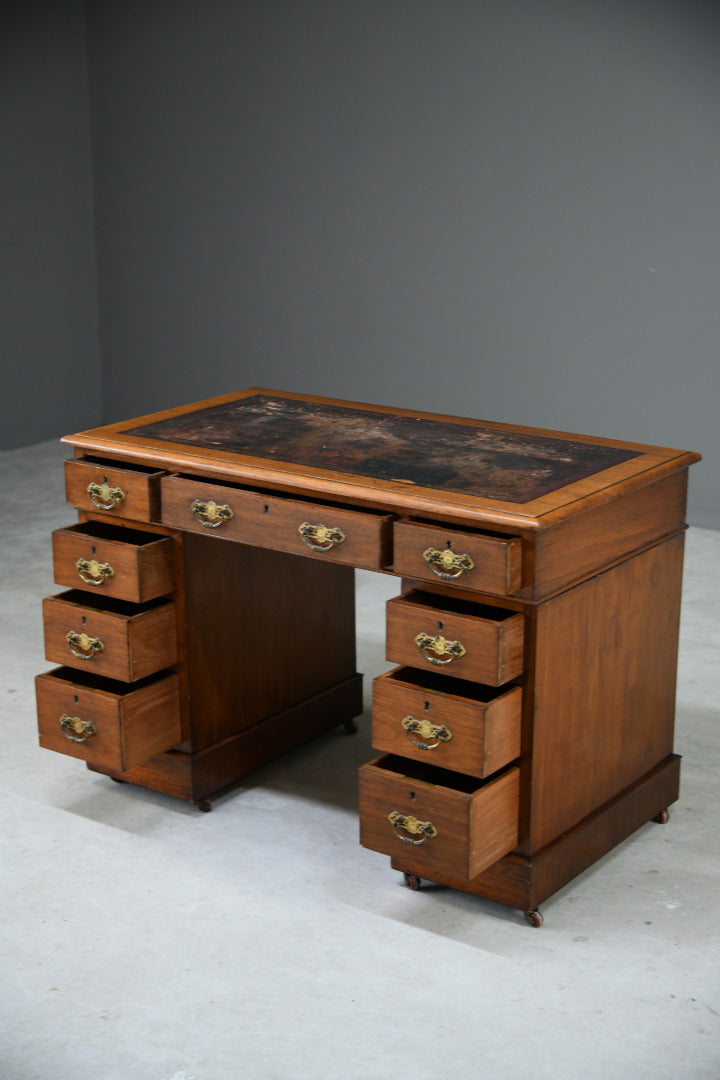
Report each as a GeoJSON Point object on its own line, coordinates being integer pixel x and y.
{"type": "Point", "coordinates": [446, 722]}
{"type": "Point", "coordinates": [108, 724]}
{"type": "Point", "coordinates": [109, 637]}
{"type": "Point", "coordinates": [360, 538]}
{"type": "Point", "coordinates": [113, 561]}
{"type": "Point", "coordinates": [468, 560]}
{"type": "Point", "coordinates": [439, 820]}
{"type": "Point", "coordinates": [454, 637]}
{"type": "Point", "coordinates": [128, 491]}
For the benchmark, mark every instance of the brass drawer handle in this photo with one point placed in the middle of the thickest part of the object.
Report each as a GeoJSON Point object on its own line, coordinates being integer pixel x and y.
{"type": "Point", "coordinates": [77, 730]}
{"type": "Point", "coordinates": [419, 831]}
{"type": "Point", "coordinates": [446, 564]}
{"type": "Point", "coordinates": [211, 514]}
{"type": "Point", "coordinates": [426, 731]}
{"type": "Point", "coordinates": [445, 651]}
{"type": "Point", "coordinates": [105, 497]}
{"type": "Point", "coordinates": [320, 537]}
{"type": "Point", "coordinates": [93, 572]}
{"type": "Point", "coordinates": [82, 646]}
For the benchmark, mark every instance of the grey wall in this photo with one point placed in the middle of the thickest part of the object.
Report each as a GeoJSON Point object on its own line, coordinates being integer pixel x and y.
{"type": "Point", "coordinates": [49, 358]}
{"type": "Point", "coordinates": [506, 209]}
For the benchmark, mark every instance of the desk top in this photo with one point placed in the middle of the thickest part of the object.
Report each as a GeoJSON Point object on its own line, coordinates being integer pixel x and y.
{"type": "Point", "coordinates": [393, 458]}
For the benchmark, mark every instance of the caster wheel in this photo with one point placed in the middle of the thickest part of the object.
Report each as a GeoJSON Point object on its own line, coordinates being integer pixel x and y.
{"type": "Point", "coordinates": [205, 805]}
{"type": "Point", "coordinates": [663, 817]}
{"type": "Point", "coordinates": [350, 727]}
{"type": "Point", "coordinates": [412, 881]}
{"type": "Point", "coordinates": [534, 918]}
{"type": "Point", "coordinates": [118, 780]}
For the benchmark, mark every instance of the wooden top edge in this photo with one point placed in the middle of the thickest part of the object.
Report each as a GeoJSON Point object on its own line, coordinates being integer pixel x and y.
{"type": "Point", "coordinates": [648, 464]}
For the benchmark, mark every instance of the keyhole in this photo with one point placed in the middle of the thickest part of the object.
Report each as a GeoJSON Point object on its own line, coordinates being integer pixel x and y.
{"type": "Point", "coordinates": [440, 626]}
{"type": "Point", "coordinates": [93, 549]}
{"type": "Point", "coordinates": [75, 698]}
{"type": "Point", "coordinates": [412, 796]}
{"type": "Point", "coordinates": [427, 706]}
{"type": "Point", "coordinates": [266, 509]}
{"type": "Point", "coordinates": [83, 620]}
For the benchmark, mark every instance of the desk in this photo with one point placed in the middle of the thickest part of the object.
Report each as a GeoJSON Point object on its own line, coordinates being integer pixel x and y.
{"type": "Point", "coordinates": [208, 622]}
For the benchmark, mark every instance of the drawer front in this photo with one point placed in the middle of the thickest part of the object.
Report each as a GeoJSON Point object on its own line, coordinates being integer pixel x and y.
{"type": "Point", "coordinates": [107, 637]}
{"type": "Point", "coordinates": [113, 562]}
{"type": "Point", "coordinates": [467, 560]}
{"type": "Point", "coordinates": [105, 723]}
{"type": "Point", "coordinates": [449, 728]}
{"type": "Point", "coordinates": [337, 534]}
{"type": "Point", "coordinates": [413, 812]}
{"type": "Point", "coordinates": [126, 491]}
{"type": "Point", "coordinates": [485, 647]}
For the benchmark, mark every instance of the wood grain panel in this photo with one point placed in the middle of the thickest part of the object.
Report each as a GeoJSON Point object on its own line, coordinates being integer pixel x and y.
{"type": "Point", "coordinates": [140, 487]}
{"type": "Point", "coordinates": [496, 561]}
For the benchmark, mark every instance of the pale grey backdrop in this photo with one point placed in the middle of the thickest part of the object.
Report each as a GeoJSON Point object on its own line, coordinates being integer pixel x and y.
{"type": "Point", "coordinates": [507, 209]}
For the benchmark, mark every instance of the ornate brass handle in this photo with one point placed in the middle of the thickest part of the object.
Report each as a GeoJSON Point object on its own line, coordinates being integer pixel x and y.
{"type": "Point", "coordinates": [419, 831]}
{"type": "Point", "coordinates": [82, 646]}
{"type": "Point", "coordinates": [446, 564]}
{"type": "Point", "coordinates": [93, 572]}
{"type": "Point", "coordinates": [105, 497]}
{"type": "Point", "coordinates": [75, 729]}
{"type": "Point", "coordinates": [426, 731]}
{"type": "Point", "coordinates": [320, 537]}
{"type": "Point", "coordinates": [211, 514]}
{"type": "Point", "coordinates": [444, 651]}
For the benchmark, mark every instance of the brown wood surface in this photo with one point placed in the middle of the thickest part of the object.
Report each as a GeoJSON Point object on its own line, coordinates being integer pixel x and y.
{"type": "Point", "coordinates": [492, 638]}
{"type": "Point", "coordinates": [526, 882]}
{"type": "Point", "coordinates": [133, 723]}
{"type": "Point", "coordinates": [497, 560]}
{"type": "Point", "coordinates": [484, 725]}
{"type": "Point", "coordinates": [271, 521]}
{"type": "Point", "coordinates": [265, 631]}
{"type": "Point", "coordinates": [142, 562]}
{"type": "Point", "coordinates": [475, 826]}
{"type": "Point", "coordinates": [605, 674]}
{"type": "Point", "coordinates": [141, 487]}
{"type": "Point", "coordinates": [137, 641]}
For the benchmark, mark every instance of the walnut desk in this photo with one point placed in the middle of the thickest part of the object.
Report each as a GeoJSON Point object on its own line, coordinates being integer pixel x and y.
{"type": "Point", "coordinates": [208, 622]}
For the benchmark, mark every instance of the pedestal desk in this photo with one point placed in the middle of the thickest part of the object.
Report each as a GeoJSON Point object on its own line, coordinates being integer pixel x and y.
{"type": "Point", "coordinates": [208, 622]}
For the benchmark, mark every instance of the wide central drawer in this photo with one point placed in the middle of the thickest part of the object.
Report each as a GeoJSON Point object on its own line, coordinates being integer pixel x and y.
{"type": "Point", "coordinates": [469, 641]}
{"type": "Point", "coordinates": [443, 721]}
{"type": "Point", "coordinates": [360, 538]}
{"type": "Point", "coordinates": [113, 561]}
{"type": "Point", "coordinates": [438, 820]}
{"type": "Point", "coordinates": [108, 724]}
{"type": "Point", "coordinates": [109, 637]}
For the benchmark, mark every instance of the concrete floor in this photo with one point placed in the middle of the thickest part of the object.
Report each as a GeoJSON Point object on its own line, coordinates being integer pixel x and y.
{"type": "Point", "coordinates": [144, 940]}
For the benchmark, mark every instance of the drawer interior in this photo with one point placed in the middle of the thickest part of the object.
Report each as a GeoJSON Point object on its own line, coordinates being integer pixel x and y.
{"type": "Point", "coordinates": [446, 685]}
{"type": "Point", "coordinates": [454, 606]}
{"type": "Point", "coordinates": [106, 603]}
{"type": "Point", "coordinates": [431, 775]}
{"type": "Point", "coordinates": [102, 530]}
{"type": "Point", "coordinates": [86, 680]}
{"type": "Point", "coordinates": [124, 466]}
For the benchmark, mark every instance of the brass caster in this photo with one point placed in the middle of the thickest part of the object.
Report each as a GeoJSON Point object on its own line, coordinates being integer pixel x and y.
{"type": "Point", "coordinates": [118, 780]}
{"type": "Point", "coordinates": [534, 918]}
{"type": "Point", "coordinates": [412, 881]}
{"type": "Point", "coordinates": [205, 805]}
{"type": "Point", "coordinates": [350, 727]}
{"type": "Point", "coordinates": [663, 817]}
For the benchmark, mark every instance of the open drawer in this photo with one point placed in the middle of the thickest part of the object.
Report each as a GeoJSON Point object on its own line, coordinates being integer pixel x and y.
{"type": "Point", "coordinates": [106, 723]}
{"type": "Point", "coordinates": [440, 821]}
